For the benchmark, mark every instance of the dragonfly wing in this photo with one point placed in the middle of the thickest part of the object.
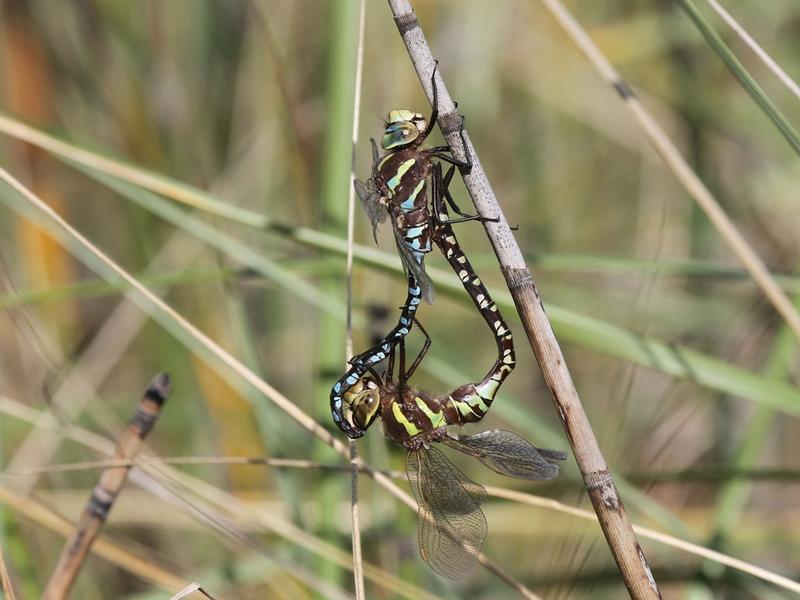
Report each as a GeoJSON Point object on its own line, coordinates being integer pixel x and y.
{"type": "Point", "coordinates": [371, 201]}
{"type": "Point", "coordinates": [451, 526]}
{"type": "Point", "coordinates": [414, 265]}
{"type": "Point", "coordinates": [509, 454]}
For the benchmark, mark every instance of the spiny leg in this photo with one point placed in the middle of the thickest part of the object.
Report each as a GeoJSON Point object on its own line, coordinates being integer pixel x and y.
{"type": "Point", "coordinates": [444, 188]}
{"type": "Point", "coordinates": [375, 154]}
{"type": "Point", "coordinates": [435, 108]}
{"type": "Point", "coordinates": [438, 150]}
{"type": "Point", "coordinates": [444, 153]}
{"type": "Point", "coordinates": [380, 350]}
{"type": "Point", "coordinates": [468, 165]}
{"type": "Point", "coordinates": [375, 374]}
{"type": "Point", "coordinates": [423, 351]}
{"type": "Point", "coordinates": [440, 191]}
{"type": "Point", "coordinates": [402, 371]}
{"type": "Point", "coordinates": [390, 366]}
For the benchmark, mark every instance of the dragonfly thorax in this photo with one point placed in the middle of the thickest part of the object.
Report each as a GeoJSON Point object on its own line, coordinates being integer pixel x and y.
{"type": "Point", "coordinates": [411, 417]}
{"type": "Point", "coordinates": [403, 128]}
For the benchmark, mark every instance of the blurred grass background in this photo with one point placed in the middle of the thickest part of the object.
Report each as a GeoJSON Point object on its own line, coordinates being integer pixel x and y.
{"type": "Point", "coordinates": [252, 101]}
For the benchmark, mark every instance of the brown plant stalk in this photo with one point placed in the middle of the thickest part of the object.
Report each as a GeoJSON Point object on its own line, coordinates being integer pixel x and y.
{"type": "Point", "coordinates": [597, 478]}
{"type": "Point", "coordinates": [106, 490]}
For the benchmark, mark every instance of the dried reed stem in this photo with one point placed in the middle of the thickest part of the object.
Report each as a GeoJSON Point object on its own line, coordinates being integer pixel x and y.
{"type": "Point", "coordinates": [652, 534]}
{"type": "Point", "coordinates": [597, 478]}
{"type": "Point", "coordinates": [107, 489]}
{"type": "Point", "coordinates": [112, 552]}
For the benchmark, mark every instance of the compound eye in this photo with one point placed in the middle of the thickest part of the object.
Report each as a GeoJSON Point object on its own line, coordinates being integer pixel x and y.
{"type": "Point", "coordinates": [366, 408]}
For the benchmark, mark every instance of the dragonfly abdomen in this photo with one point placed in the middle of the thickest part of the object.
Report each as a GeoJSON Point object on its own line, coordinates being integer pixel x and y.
{"type": "Point", "coordinates": [366, 360]}
{"type": "Point", "coordinates": [470, 402]}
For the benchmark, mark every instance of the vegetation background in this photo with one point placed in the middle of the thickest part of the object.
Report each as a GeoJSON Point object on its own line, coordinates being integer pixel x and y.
{"type": "Point", "coordinates": [252, 101]}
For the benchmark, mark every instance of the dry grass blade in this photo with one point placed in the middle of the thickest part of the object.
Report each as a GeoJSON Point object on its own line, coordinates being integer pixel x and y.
{"type": "Point", "coordinates": [358, 574]}
{"type": "Point", "coordinates": [110, 551]}
{"type": "Point", "coordinates": [645, 532]}
{"type": "Point", "coordinates": [154, 303]}
{"type": "Point", "coordinates": [106, 491]}
{"type": "Point", "coordinates": [8, 588]}
{"type": "Point", "coordinates": [599, 482]}
{"type": "Point", "coordinates": [184, 460]}
{"type": "Point", "coordinates": [191, 589]}
{"type": "Point", "coordinates": [219, 502]}
{"type": "Point", "coordinates": [86, 372]}
{"type": "Point", "coordinates": [756, 48]}
{"type": "Point", "coordinates": [150, 181]}
{"type": "Point", "coordinates": [678, 165]}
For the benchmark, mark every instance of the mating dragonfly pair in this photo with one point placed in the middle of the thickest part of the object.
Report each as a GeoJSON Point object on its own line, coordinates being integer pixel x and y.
{"type": "Point", "coordinates": [452, 526]}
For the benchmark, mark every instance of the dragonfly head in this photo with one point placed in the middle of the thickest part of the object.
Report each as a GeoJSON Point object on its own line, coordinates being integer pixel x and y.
{"type": "Point", "coordinates": [362, 403]}
{"type": "Point", "coordinates": [403, 128]}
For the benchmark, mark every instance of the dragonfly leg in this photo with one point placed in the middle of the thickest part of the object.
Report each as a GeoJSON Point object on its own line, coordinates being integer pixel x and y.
{"type": "Point", "coordinates": [441, 190]}
{"type": "Point", "coordinates": [375, 374]}
{"type": "Point", "coordinates": [465, 164]}
{"type": "Point", "coordinates": [444, 153]}
{"type": "Point", "coordinates": [468, 165]}
{"type": "Point", "coordinates": [381, 350]}
{"type": "Point", "coordinates": [435, 109]}
{"type": "Point", "coordinates": [390, 367]}
{"type": "Point", "coordinates": [402, 371]}
{"type": "Point", "coordinates": [422, 352]}
{"type": "Point", "coordinates": [375, 154]}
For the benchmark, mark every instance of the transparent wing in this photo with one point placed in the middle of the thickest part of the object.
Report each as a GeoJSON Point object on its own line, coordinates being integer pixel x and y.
{"type": "Point", "coordinates": [414, 265]}
{"type": "Point", "coordinates": [509, 454]}
{"type": "Point", "coordinates": [371, 201]}
{"type": "Point", "coordinates": [451, 527]}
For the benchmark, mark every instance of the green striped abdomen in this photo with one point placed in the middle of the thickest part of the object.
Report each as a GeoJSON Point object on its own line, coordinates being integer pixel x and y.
{"type": "Point", "coordinates": [470, 402]}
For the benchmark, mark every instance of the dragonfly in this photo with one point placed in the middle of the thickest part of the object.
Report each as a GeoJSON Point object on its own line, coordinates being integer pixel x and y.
{"type": "Point", "coordinates": [398, 186]}
{"type": "Point", "coordinates": [451, 525]}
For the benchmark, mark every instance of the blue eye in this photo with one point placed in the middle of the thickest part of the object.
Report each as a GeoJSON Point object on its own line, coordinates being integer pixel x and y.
{"type": "Point", "coordinates": [399, 134]}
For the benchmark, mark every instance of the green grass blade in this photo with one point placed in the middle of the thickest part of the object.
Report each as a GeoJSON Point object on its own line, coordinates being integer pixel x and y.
{"type": "Point", "coordinates": [741, 74]}
{"type": "Point", "coordinates": [227, 244]}
{"type": "Point", "coordinates": [149, 180]}
{"type": "Point", "coordinates": [733, 496]}
{"type": "Point", "coordinates": [587, 332]}
{"type": "Point", "coordinates": [570, 326]}
{"type": "Point", "coordinates": [95, 288]}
